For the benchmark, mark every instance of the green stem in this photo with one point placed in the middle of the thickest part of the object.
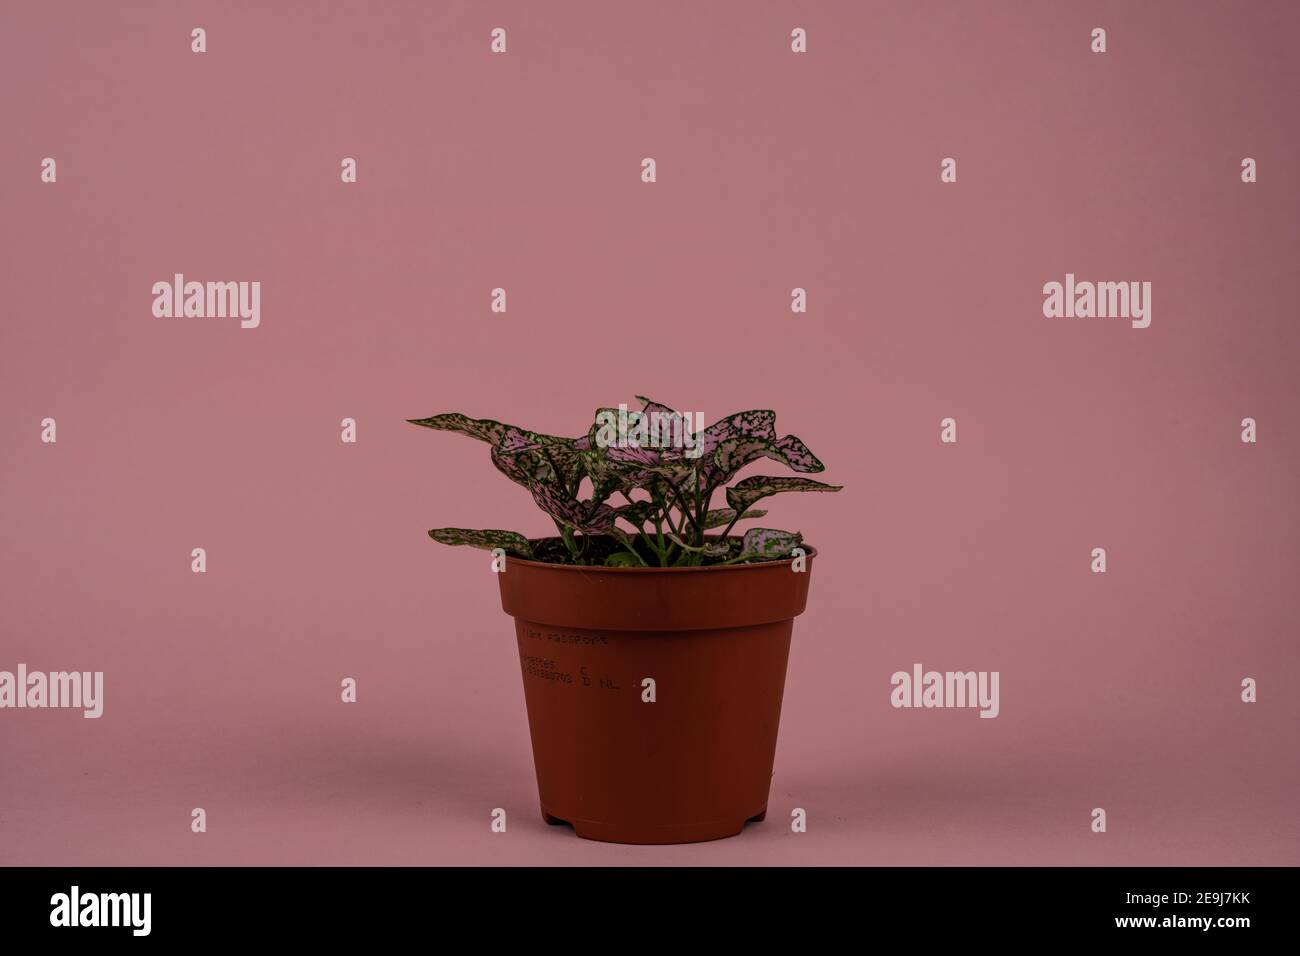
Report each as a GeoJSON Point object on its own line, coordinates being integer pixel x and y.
{"type": "Point", "coordinates": [641, 533]}
{"type": "Point", "coordinates": [727, 530]}
{"type": "Point", "coordinates": [684, 507]}
{"type": "Point", "coordinates": [566, 533]}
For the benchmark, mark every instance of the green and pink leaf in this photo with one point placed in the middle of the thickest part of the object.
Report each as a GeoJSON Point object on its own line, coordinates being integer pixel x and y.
{"type": "Point", "coordinates": [489, 540]}
{"type": "Point", "coordinates": [749, 490]}
{"type": "Point", "coordinates": [767, 544]}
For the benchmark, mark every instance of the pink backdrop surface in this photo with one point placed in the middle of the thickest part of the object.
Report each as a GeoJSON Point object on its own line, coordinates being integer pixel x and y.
{"type": "Point", "coordinates": [775, 170]}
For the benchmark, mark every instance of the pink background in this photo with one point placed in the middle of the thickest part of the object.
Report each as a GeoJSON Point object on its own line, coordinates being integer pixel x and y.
{"type": "Point", "coordinates": [775, 170]}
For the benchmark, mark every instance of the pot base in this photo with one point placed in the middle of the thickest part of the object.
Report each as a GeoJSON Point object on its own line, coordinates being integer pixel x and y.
{"type": "Point", "coordinates": [619, 833]}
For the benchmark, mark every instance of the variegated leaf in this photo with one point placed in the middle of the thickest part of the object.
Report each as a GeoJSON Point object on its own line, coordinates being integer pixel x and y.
{"type": "Point", "coordinates": [768, 543]}
{"type": "Point", "coordinates": [484, 429]}
{"type": "Point", "coordinates": [721, 517]}
{"type": "Point", "coordinates": [637, 513]}
{"type": "Point", "coordinates": [798, 456]}
{"type": "Point", "coordinates": [738, 451]}
{"type": "Point", "coordinates": [589, 517]}
{"type": "Point", "coordinates": [679, 471]}
{"type": "Point", "coordinates": [744, 493]}
{"type": "Point", "coordinates": [605, 479]}
{"type": "Point", "coordinates": [680, 437]}
{"type": "Point", "coordinates": [710, 549]}
{"type": "Point", "coordinates": [508, 541]}
{"type": "Point", "coordinates": [514, 440]}
{"type": "Point", "coordinates": [603, 430]}
{"type": "Point", "coordinates": [757, 423]}
{"type": "Point", "coordinates": [509, 439]}
{"type": "Point", "coordinates": [634, 455]}
{"type": "Point", "coordinates": [524, 469]}
{"type": "Point", "coordinates": [649, 405]}
{"type": "Point", "coordinates": [610, 466]}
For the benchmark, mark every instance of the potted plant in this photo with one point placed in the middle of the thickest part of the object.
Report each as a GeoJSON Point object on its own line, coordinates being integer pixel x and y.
{"type": "Point", "coordinates": [653, 641]}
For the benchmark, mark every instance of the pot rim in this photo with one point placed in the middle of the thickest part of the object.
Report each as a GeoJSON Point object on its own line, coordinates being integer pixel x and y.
{"type": "Point", "coordinates": [809, 550]}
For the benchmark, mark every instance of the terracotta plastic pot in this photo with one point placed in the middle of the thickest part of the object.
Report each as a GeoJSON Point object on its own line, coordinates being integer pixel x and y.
{"type": "Point", "coordinates": [696, 762]}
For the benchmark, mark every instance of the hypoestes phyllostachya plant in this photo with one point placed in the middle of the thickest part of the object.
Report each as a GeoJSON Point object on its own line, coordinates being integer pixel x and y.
{"type": "Point", "coordinates": [652, 473]}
